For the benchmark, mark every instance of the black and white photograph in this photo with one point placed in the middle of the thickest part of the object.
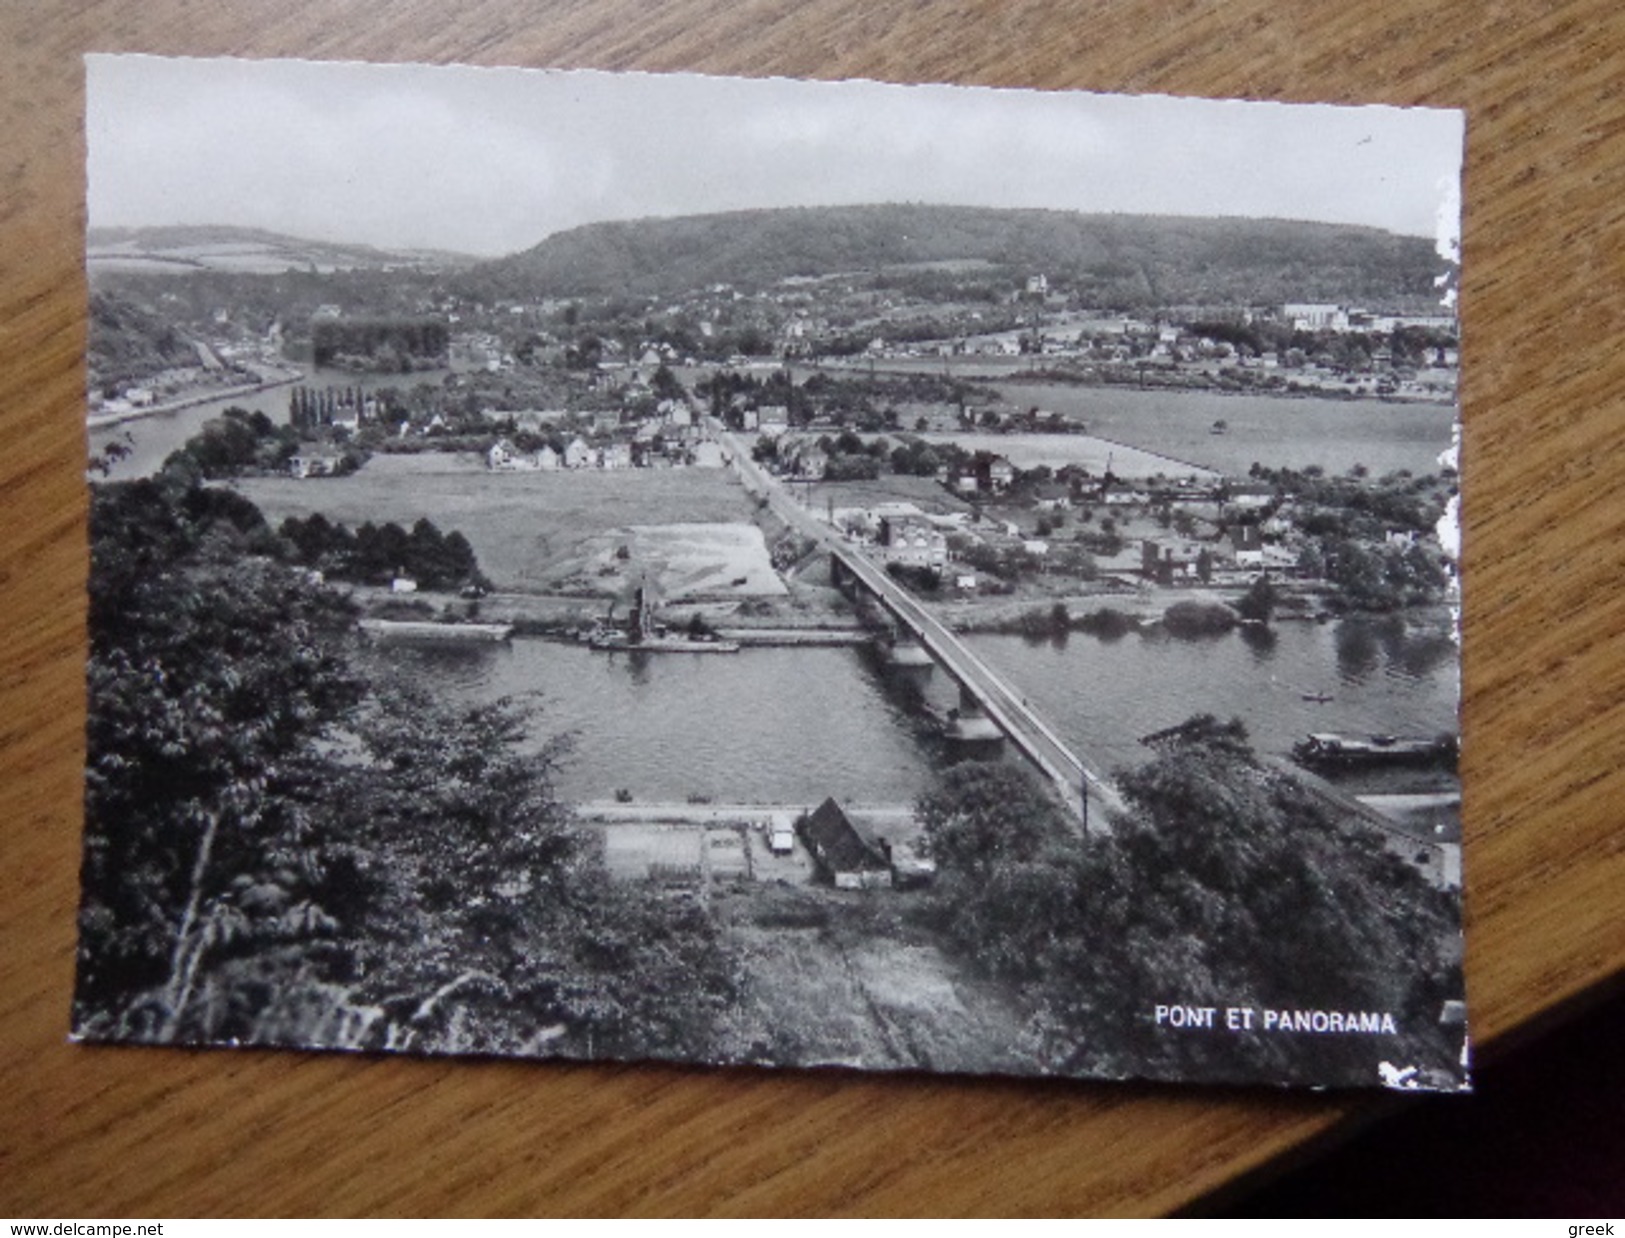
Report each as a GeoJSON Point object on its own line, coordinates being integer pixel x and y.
{"type": "Point", "coordinates": [765, 573]}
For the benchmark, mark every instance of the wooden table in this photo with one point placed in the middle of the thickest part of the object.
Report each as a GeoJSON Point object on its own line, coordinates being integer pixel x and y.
{"type": "Point", "coordinates": [151, 1133]}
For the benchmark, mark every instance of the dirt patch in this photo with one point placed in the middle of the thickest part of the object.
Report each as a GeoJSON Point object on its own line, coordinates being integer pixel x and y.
{"type": "Point", "coordinates": [681, 562]}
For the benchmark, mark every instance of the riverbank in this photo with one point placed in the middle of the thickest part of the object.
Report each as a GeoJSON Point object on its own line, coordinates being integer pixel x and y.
{"type": "Point", "coordinates": [100, 421]}
{"type": "Point", "coordinates": [1192, 379]}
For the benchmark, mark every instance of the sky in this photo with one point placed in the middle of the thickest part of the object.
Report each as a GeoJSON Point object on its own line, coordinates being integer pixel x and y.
{"type": "Point", "coordinates": [491, 161]}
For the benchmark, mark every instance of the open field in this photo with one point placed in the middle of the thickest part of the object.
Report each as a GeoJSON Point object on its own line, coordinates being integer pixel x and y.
{"type": "Point", "coordinates": [1027, 451]}
{"type": "Point", "coordinates": [926, 493]}
{"type": "Point", "coordinates": [524, 527]}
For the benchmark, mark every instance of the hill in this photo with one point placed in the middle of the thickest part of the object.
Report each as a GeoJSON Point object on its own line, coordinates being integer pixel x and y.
{"type": "Point", "coordinates": [127, 342]}
{"type": "Point", "coordinates": [1129, 260]}
{"type": "Point", "coordinates": [188, 249]}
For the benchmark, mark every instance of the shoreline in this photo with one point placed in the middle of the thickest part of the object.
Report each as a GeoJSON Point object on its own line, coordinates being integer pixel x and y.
{"type": "Point", "coordinates": [1335, 394]}
{"type": "Point", "coordinates": [102, 421]}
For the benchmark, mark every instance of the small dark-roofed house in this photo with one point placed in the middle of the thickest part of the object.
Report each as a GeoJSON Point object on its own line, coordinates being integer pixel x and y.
{"type": "Point", "coordinates": [842, 854]}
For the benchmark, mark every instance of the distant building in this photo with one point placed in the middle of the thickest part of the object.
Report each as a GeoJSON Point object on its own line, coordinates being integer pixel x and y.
{"type": "Point", "coordinates": [1315, 316]}
{"type": "Point", "coordinates": [912, 542]}
{"type": "Point", "coordinates": [315, 460]}
{"type": "Point", "coordinates": [812, 462]}
{"type": "Point", "coordinates": [843, 855]}
{"type": "Point", "coordinates": [772, 420]}
{"type": "Point", "coordinates": [1247, 542]}
{"type": "Point", "coordinates": [1250, 494]}
{"type": "Point", "coordinates": [578, 455]}
{"type": "Point", "coordinates": [504, 457]}
{"type": "Point", "coordinates": [1053, 496]}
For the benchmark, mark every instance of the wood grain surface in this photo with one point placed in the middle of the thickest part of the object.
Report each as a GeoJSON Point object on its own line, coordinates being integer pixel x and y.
{"type": "Point", "coordinates": [144, 1132]}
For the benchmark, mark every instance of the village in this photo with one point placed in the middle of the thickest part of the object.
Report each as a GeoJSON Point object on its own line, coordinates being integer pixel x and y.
{"type": "Point", "coordinates": [896, 420]}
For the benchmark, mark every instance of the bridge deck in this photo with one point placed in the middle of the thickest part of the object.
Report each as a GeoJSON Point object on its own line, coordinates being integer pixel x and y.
{"type": "Point", "coordinates": [1007, 709]}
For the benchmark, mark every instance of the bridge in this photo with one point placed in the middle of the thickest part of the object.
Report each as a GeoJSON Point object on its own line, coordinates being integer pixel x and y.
{"type": "Point", "coordinates": [1083, 790]}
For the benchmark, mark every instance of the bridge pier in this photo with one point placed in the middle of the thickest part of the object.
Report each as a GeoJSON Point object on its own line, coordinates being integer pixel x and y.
{"type": "Point", "coordinates": [906, 656]}
{"type": "Point", "coordinates": [971, 726]}
{"type": "Point", "coordinates": [838, 573]}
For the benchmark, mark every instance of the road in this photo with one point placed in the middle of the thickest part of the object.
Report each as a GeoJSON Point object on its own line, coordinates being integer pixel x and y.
{"type": "Point", "coordinates": [1001, 703]}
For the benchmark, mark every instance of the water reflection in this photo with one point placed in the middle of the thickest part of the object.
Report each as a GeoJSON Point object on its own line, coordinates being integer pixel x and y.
{"type": "Point", "coordinates": [1261, 641]}
{"type": "Point", "coordinates": [1358, 651]}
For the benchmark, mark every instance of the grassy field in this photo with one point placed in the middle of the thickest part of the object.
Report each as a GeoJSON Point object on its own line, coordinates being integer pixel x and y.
{"type": "Point", "coordinates": [1027, 451]}
{"type": "Point", "coordinates": [924, 492]}
{"type": "Point", "coordinates": [839, 979]}
{"type": "Point", "coordinates": [527, 529]}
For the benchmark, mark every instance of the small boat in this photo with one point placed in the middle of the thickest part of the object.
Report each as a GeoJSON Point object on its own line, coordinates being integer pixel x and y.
{"type": "Point", "coordinates": [1221, 426]}
{"type": "Point", "coordinates": [1318, 698]}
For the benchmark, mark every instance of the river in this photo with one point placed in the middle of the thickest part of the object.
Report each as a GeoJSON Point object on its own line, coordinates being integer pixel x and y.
{"type": "Point", "coordinates": [1278, 431]}
{"type": "Point", "coordinates": [795, 725]}
{"type": "Point", "coordinates": [764, 725]}
{"type": "Point", "coordinates": [150, 440]}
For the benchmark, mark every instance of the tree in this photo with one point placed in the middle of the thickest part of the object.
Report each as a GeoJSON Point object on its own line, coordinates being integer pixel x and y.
{"type": "Point", "coordinates": [984, 814]}
{"type": "Point", "coordinates": [1225, 883]}
{"type": "Point", "coordinates": [212, 675]}
{"type": "Point", "coordinates": [282, 850]}
{"type": "Point", "coordinates": [1258, 603]}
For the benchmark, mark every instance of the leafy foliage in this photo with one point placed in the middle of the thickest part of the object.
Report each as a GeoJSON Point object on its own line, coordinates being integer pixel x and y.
{"type": "Point", "coordinates": [373, 554]}
{"type": "Point", "coordinates": [280, 849]}
{"type": "Point", "coordinates": [1226, 884]}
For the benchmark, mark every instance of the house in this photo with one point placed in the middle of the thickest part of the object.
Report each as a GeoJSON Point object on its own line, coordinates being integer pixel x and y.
{"type": "Point", "coordinates": [1248, 543]}
{"type": "Point", "coordinates": [578, 455]}
{"type": "Point", "coordinates": [1052, 496]}
{"type": "Point", "coordinates": [912, 542]}
{"type": "Point", "coordinates": [315, 460]}
{"type": "Point", "coordinates": [994, 473]}
{"type": "Point", "coordinates": [1314, 316]}
{"type": "Point", "coordinates": [811, 462]}
{"type": "Point", "coordinates": [503, 456]}
{"type": "Point", "coordinates": [617, 456]}
{"type": "Point", "coordinates": [772, 420]}
{"type": "Point", "coordinates": [548, 460]}
{"type": "Point", "coordinates": [709, 455]}
{"type": "Point", "coordinates": [1250, 494]}
{"type": "Point", "coordinates": [843, 855]}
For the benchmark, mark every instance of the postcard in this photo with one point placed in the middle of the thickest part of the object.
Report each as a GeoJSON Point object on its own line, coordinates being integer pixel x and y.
{"type": "Point", "coordinates": [772, 574]}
